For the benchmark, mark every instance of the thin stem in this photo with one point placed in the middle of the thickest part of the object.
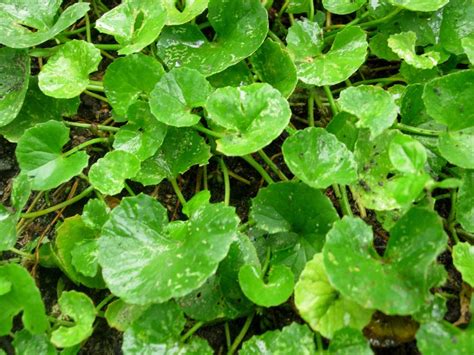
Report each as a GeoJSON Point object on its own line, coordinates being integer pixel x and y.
{"type": "Point", "coordinates": [84, 145]}
{"type": "Point", "coordinates": [381, 20]}
{"type": "Point", "coordinates": [204, 177]}
{"type": "Point", "coordinates": [416, 130]}
{"type": "Point", "coordinates": [129, 189]}
{"type": "Point", "coordinates": [332, 104]}
{"type": "Point", "coordinates": [319, 341]}
{"type": "Point", "coordinates": [95, 88]}
{"type": "Point", "coordinates": [341, 194]}
{"type": "Point", "coordinates": [275, 37]}
{"type": "Point", "coordinates": [177, 191]}
{"type": "Point", "coordinates": [88, 29]}
{"type": "Point", "coordinates": [311, 108]}
{"type": "Point", "coordinates": [76, 31]}
{"type": "Point", "coordinates": [228, 342]}
{"type": "Point", "coordinates": [96, 96]}
{"type": "Point", "coordinates": [249, 159]}
{"type": "Point", "coordinates": [225, 173]}
{"type": "Point", "coordinates": [272, 165]}
{"type": "Point", "coordinates": [96, 82]}
{"type": "Point", "coordinates": [191, 331]}
{"type": "Point", "coordinates": [92, 126]}
{"type": "Point", "coordinates": [208, 131]}
{"type": "Point", "coordinates": [104, 302]}
{"type": "Point", "coordinates": [311, 11]}
{"type": "Point", "coordinates": [22, 253]}
{"type": "Point", "coordinates": [59, 206]}
{"type": "Point", "coordinates": [283, 8]}
{"type": "Point", "coordinates": [452, 217]}
{"type": "Point", "coordinates": [239, 178]}
{"type": "Point", "coordinates": [241, 335]}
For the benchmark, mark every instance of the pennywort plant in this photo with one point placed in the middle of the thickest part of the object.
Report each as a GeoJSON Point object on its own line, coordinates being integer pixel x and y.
{"type": "Point", "coordinates": [223, 176]}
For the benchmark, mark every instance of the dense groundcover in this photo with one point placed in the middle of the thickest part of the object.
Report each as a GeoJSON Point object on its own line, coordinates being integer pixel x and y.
{"type": "Point", "coordinates": [236, 176]}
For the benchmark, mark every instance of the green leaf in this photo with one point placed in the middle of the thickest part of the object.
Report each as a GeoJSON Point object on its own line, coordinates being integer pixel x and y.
{"type": "Point", "coordinates": [138, 240]}
{"type": "Point", "coordinates": [412, 107]}
{"type": "Point", "coordinates": [323, 307]}
{"type": "Point", "coordinates": [297, 217]}
{"type": "Point", "coordinates": [305, 39]}
{"type": "Point", "coordinates": [465, 202]}
{"type": "Point", "coordinates": [176, 94]}
{"type": "Point", "coordinates": [273, 65]}
{"type": "Point", "coordinates": [66, 74]}
{"type": "Point", "coordinates": [39, 154]}
{"type": "Point", "coordinates": [221, 296]}
{"type": "Point", "coordinates": [403, 44]}
{"type": "Point", "coordinates": [398, 283]}
{"type": "Point", "coordinates": [457, 147]}
{"type": "Point", "coordinates": [84, 258]}
{"type": "Point", "coordinates": [346, 55]}
{"type": "Point", "coordinates": [236, 75]}
{"type": "Point", "coordinates": [95, 214]}
{"type": "Point", "coordinates": [27, 343]}
{"type": "Point", "coordinates": [468, 46]}
{"type": "Point", "coordinates": [21, 191]}
{"type": "Point", "coordinates": [348, 341]}
{"type": "Point", "coordinates": [319, 159]}
{"type": "Point", "coordinates": [373, 106]}
{"type": "Point", "coordinates": [463, 259]}
{"type": "Point", "coordinates": [79, 307]}
{"type": "Point", "coordinates": [449, 99]}
{"type": "Point", "coordinates": [407, 154]}
{"type": "Point", "coordinates": [181, 149]}
{"type": "Point", "coordinates": [109, 173]}
{"type": "Point", "coordinates": [178, 16]}
{"type": "Point", "coordinates": [70, 235]}
{"type": "Point", "coordinates": [443, 338]}
{"type": "Point", "coordinates": [240, 28]}
{"type": "Point", "coordinates": [130, 78]}
{"type": "Point", "coordinates": [14, 76]}
{"type": "Point", "coordinates": [343, 127]}
{"type": "Point", "coordinates": [158, 331]}
{"type": "Point", "coordinates": [419, 5]}
{"type": "Point", "coordinates": [142, 136]}
{"type": "Point", "coordinates": [249, 117]}
{"type": "Point", "coordinates": [28, 23]}
{"type": "Point", "coordinates": [457, 24]}
{"type": "Point", "coordinates": [24, 297]}
{"type": "Point", "coordinates": [343, 7]}
{"type": "Point", "coordinates": [120, 315]}
{"type": "Point", "coordinates": [272, 291]}
{"type": "Point", "coordinates": [379, 47]}
{"type": "Point", "coordinates": [38, 108]}
{"type": "Point", "coordinates": [134, 24]}
{"type": "Point", "coordinates": [292, 339]}
{"type": "Point", "coordinates": [7, 229]}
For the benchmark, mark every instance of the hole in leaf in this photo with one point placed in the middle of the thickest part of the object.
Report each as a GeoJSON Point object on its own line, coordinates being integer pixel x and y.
{"type": "Point", "coordinates": [29, 28]}
{"type": "Point", "coordinates": [180, 5]}
{"type": "Point", "coordinates": [138, 21]}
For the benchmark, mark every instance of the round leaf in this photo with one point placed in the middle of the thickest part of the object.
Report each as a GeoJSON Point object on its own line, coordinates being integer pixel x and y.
{"type": "Point", "coordinates": [319, 159]}
{"type": "Point", "coordinates": [346, 55]}
{"type": "Point", "coordinates": [120, 315]}
{"type": "Point", "coordinates": [275, 291]}
{"type": "Point", "coordinates": [463, 259]}
{"type": "Point", "coordinates": [135, 24]}
{"type": "Point", "coordinates": [80, 308]}
{"type": "Point", "coordinates": [293, 339]}
{"type": "Point", "coordinates": [14, 76]}
{"type": "Point", "coordinates": [407, 154]}
{"type": "Point", "coordinates": [8, 223]}
{"type": "Point", "coordinates": [27, 343]}
{"type": "Point", "coordinates": [403, 44]}
{"type": "Point", "coordinates": [297, 217]}
{"type": "Point", "coordinates": [398, 283]}
{"type": "Point", "coordinates": [95, 214]}
{"type": "Point", "coordinates": [347, 341]}
{"type": "Point", "coordinates": [109, 173]}
{"type": "Point", "coordinates": [343, 7]}
{"type": "Point", "coordinates": [250, 117]}
{"type": "Point", "coordinates": [457, 23]}
{"type": "Point", "coordinates": [129, 78]}
{"type": "Point", "coordinates": [181, 149]}
{"type": "Point", "coordinates": [457, 147]}
{"type": "Point", "coordinates": [449, 99]}
{"type": "Point", "coordinates": [26, 24]}
{"type": "Point", "coordinates": [176, 94]}
{"type": "Point", "coordinates": [240, 27]}
{"type": "Point", "coordinates": [39, 154]}
{"type": "Point", "coordinates": [138, 240]}
{"type": "Point", "coordinates": [319, 304]}
{"type": "Point", "coordinates": [373, 106]}
{"type": "Point", "coordinates": [23, 296]}
{"type": "Point", "coordinates": [72, 234]}
{"type": "Point", "coordinates": [66, 74]}
{"type": "Point", "coordinates": [305, 39]}
{"type": "Point", "coordinates": [443, 338]}
{"type": "Point", "coordinates": [273, 65]}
